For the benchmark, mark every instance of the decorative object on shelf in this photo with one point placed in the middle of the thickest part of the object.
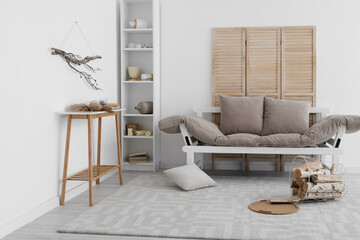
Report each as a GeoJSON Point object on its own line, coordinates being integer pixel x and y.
{"type": "Point", "coordinates": [138, 157]}
{"type": "Point", "coordinates": [103, 102]}
{"type": "Point", "coordinates": [111, 106]}
{"type": "Point", "coordinates": [73, 59]}
{"type": "Point", "coordinates": [147, 133]}
{"type": "Point", "coordinates": [131, 129]}
{"type": "Point", "coordinates": [145, 107]}
{"type": "Point", "coordinates": [138, 23]}
{"type": "Point", "coordinates": [139, 45]}
{"type": "Point", "coordinates": [93, 106]}
{"type": "Point", "coordinates": [146, 77]}
{"type": "Point", "coordinates": [134, 73]}
{"type": "Point", "coordinates": [149, 45]}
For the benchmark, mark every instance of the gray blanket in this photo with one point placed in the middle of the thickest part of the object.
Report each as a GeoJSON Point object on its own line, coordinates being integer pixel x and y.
{"type": "Point", "coordinates": [209, 133]}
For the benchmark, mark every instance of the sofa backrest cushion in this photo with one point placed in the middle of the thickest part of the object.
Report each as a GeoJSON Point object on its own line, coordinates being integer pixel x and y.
{"type": "Point", "coordinates": [285, 116]}
{"type": "Point", "coordinates": [241, 114]}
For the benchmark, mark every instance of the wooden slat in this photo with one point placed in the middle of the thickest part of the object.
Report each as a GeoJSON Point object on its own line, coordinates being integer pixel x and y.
{"type": "Point", "coordinates": [228, 63]}
{"type": "Point", "coordinates": [263, 61]}
{"type": "Point", "coordinates": [97, 172]}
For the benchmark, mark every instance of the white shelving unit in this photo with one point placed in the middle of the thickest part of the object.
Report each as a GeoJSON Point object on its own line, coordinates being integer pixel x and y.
{"type": "Point", "coordinates": [133, 92]}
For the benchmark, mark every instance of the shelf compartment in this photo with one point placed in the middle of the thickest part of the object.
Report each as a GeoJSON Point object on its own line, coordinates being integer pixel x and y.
{"type": "Point", "coordinates": [138, 82]}
{"type": "Point", "coordinates": [98, 172]}
{"type": "Point", "coordinates": [138, 49]}
{"type": "Point", "coordinates": [132, 30]}
{"type": "Point", "coordinates": [138, 164]}
{"type": "Point", "coordinates": [138, 137]}
{"type": "Point", "coordinates": [137, 115]}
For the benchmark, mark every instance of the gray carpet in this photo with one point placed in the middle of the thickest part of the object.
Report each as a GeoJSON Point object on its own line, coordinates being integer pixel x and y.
{"type": "Point", "coordinates": [152, 206]}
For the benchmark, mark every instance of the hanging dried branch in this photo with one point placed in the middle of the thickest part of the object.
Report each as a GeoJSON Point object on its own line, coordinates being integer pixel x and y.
{"type": "Point", "coordinates": [72, 59]}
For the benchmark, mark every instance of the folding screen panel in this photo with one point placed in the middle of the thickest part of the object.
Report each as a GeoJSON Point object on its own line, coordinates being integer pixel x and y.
{"type": "Point", "coordinates": [228, 63]}
{"type": "Point", "coordinates": [263, 71]}
{"type": "Point", "coordinates": [298, 64]}
{"type": "Point", "coordinates": [263, 62]}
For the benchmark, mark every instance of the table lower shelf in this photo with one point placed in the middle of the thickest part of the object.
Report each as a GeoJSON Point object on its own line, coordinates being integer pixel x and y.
{"type": "Point", "coordinates": [98, 172]}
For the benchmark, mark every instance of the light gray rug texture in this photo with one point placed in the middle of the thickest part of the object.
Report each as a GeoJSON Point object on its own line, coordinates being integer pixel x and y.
{"type": "Point", "coordinates": [151, 205]}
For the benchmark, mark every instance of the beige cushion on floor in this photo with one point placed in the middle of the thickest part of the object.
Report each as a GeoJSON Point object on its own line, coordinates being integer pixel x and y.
{"type": "Point", "coordinates": [285, 116]}
{"type": "Point", "coordinates": [190, 177]}
{"type": "Point", "coordinates": [241, 114]}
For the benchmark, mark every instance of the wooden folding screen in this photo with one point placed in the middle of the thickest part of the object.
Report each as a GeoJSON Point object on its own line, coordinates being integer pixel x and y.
{"type": "Point", "coordinates": [278, 62]}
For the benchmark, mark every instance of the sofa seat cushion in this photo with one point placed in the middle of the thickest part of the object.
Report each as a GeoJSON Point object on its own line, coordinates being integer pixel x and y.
{"type": "Point", "coordinates": [241, 114]}
{"type": "Point", "coordinates": [242, 139]}
{"type": "Point", "coordinates": [285, 116]}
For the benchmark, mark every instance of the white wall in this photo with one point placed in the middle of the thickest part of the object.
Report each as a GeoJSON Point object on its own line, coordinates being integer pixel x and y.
{"type": "Point", "coordinates": [36, 84]}
{"type": "Point", "coordinates": [186, 55]}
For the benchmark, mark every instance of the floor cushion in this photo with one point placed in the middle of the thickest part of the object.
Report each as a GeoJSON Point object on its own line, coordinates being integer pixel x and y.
{"type": "Point", "coordinates": [190, 177]}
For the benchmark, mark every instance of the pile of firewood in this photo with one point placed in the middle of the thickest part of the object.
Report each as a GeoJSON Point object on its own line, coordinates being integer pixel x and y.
{"type": "Point", "coordinates": [312, 180]}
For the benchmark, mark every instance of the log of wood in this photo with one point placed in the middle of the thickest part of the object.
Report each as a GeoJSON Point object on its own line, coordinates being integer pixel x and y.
{"type": "Point", "coordinates": [300, 190]}
{"type": "Point", "coordinates": [295, 191]}
{"type": "Point", "coordinates": [310, 187]}
{"type": "Point", "coordinates": [294, 184]}
{"type": "Point", "coordinates": [305, 173]}
{"type": "Point", "coordinates": [313, 165]}
{"type": "Point", "coordinates": [300, 181]}
{"type": "Point", "coordinates": [322, 195]}
{"type": "Point", "coordinates": [326, 178]}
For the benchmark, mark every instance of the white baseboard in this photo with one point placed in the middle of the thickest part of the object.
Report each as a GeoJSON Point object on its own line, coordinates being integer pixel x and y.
{"type": "Point", "coordinates": [29, 216]}
{"type": "Point", "coordinates": [45, 207]}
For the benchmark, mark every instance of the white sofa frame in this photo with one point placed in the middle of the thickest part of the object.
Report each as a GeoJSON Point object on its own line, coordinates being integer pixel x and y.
{"type": "Point", "coordinates": [330, 147]}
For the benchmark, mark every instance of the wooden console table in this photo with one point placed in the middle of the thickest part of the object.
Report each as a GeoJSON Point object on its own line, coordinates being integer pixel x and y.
{"type": "Point", "coordinates": [93, 172]}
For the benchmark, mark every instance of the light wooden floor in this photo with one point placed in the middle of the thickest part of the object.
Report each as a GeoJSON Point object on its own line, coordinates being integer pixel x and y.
{"type": "Point", "coordinates": [45, 227]}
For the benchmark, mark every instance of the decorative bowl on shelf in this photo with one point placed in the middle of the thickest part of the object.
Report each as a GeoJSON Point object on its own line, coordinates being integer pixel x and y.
{"type": "Point", "coordinates": [145, 107]}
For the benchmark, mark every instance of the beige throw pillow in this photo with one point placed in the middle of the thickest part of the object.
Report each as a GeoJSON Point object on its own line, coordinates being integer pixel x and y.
{"type": "Point", "coordinates": [241, 114]}
{"type": "Point", "coordinates": [285, 116]}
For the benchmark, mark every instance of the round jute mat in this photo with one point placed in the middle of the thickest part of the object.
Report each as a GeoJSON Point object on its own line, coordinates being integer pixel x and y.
{"type": "Point", "coordinates": [265, 207]}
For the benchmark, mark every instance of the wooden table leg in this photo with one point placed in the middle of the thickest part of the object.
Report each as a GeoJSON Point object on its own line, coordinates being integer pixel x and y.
{"type": "Point", "coordinates": [66, 160]}
{"type": "Point", "coordinates": [90, 160]}
{"type": "Point", "coordinates": [118, 146]}
{"type": "Point", "coordinates": [98, 149]}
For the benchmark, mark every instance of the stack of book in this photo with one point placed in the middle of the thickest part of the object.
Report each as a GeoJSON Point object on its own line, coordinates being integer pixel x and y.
{"type": "Point", "coordinates": [138, 158]}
